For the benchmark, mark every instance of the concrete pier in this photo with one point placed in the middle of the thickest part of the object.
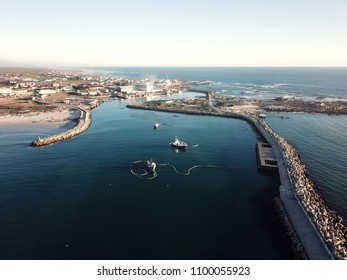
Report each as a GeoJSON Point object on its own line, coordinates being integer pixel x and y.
{"type": "Point", "coordinates": [266, 157]}
{"type": "Point", "coordinates": [209, 93]}
{"type": "Point", "coordinates": [83, 124]}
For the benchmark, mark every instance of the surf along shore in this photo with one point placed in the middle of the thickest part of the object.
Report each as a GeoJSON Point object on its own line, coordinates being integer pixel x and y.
{"type": "Point", "coordinates": [312, 226]}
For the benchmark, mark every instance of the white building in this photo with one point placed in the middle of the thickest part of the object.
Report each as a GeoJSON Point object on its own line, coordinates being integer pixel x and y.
{"type": "Point", "coordinates": [5, 91]}
{"type": "Point", "coordinates": [47, 91]}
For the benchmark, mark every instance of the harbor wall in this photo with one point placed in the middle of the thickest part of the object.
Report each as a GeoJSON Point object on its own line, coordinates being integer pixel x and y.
{"type": "Point", "coordinates": [320, 230]}
{"type": "Point", "coordinates": [327, 223]}
{"type": "Point", "coordinates": [83, 124]}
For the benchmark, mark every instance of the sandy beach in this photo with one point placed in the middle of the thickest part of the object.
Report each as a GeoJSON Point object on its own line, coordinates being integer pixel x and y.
{"type": "Point", "coordinates": [55, 118]}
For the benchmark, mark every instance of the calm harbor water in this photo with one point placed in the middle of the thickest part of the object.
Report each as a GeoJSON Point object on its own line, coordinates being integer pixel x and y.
{"type": "Point", "coordinates": [77, 199]}
{"type": "Point", "coordinates": [320, 139]}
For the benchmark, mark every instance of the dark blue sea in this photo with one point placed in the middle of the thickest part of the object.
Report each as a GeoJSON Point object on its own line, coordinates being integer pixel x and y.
{"type": "Point", "coordinates": [78, 199]}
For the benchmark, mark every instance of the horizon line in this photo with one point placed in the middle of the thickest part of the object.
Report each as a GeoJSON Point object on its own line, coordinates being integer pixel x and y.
{"type": "Point", "coordinates": [168, 66]}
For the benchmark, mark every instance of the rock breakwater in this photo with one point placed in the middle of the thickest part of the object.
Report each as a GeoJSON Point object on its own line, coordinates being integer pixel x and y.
{"type": "Point", "coordinates": [328, 223]}
{"type": "Point", "coordinates": [83, 124]}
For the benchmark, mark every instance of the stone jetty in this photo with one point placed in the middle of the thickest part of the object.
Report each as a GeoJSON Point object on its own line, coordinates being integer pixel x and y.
{"type": "Point", "coordinates": [329, 224]}
{"type": "Point", "coordinates": [83, 124]}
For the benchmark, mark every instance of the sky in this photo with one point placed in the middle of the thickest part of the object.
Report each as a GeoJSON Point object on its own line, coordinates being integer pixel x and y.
{"type": "Point", "coordinates": [173, 33]}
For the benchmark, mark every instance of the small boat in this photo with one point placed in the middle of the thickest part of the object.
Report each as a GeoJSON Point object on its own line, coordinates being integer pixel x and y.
{"type": "Point", "coordinates": [262, 116]}
{"type": "Point", "coordinates": [156, 125]}
{"type": "Point", "coordinates": [151, 165]}
{"type": "Point", "coordinates": [179, 144]}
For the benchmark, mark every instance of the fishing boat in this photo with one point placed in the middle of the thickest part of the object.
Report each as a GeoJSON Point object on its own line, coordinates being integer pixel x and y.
{"type": "Point", "coordinates": [179, 144]}
{"type": "Point", "coordinates": [156, 125]}
{"type": "Point", "coordinates": [151, 165]}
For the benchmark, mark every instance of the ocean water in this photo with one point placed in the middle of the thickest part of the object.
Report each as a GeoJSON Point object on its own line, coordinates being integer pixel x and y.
{"type": "Point", "coordinates": [251, 83]}
{"type": "Point", "coordinates": [321, 142]}
{"type": "Point", "coordinates": [77, 199]}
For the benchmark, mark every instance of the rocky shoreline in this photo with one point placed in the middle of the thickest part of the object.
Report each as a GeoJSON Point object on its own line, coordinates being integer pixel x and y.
{"type": "Point", "coordinates": [301, 106]}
